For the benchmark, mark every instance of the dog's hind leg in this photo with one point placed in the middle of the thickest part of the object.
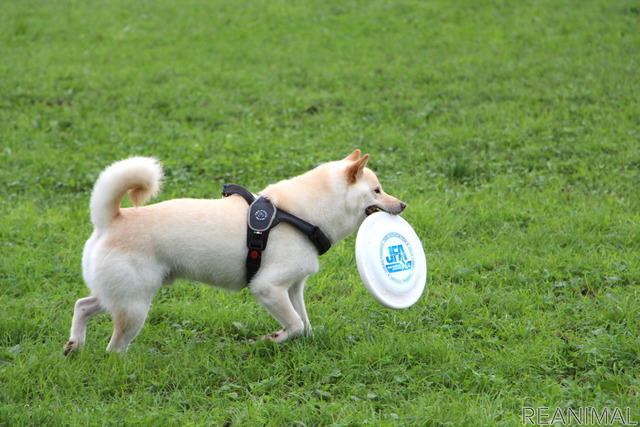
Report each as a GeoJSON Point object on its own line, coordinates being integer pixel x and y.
{"type": "Point", "coordinates": [296, 295]}
{"type": "Point", "coordinates": [275, 298]}
{"type": "Point", "coordinates": [84, 310]}
{"type": "Point", "coordinates": [127, 322]}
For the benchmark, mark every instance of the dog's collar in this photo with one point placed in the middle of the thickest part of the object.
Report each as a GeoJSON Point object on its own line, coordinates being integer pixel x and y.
{"type": "Point", "coordinates": [262, 217]}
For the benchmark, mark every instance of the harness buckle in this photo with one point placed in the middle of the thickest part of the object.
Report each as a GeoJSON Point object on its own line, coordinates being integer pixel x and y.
{"type": "Point", "coordinates": [257, 240]}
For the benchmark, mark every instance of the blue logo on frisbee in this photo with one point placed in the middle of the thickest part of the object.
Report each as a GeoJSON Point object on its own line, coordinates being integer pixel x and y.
{"type": "Point", "coordinates": [397, 258]}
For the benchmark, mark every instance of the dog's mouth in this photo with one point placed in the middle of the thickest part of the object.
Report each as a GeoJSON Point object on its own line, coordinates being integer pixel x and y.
{"type": "Point", "coordinates": [394, 210]}
{"type": "Point", "coordinates": [372, 209]}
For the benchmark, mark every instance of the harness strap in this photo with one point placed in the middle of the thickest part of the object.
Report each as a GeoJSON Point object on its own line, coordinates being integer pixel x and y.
{"type": "Point", "coordinates": [228, 190]}
{"type": "Point", "coordinates": [262, 217]}
{"type": "Point", "coordinates": [314, 233]}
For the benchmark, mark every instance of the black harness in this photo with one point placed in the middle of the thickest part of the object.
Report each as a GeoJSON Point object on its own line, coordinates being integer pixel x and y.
{"type": "Point", "coordinates": [262, 217]}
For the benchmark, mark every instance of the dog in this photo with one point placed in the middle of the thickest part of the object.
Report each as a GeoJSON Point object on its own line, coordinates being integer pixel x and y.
{"type": "Point", "coordinates": [134, 251]}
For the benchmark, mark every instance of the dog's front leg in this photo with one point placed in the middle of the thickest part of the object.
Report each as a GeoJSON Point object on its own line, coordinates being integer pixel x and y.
{"type": "Point", "coordinates": [296, 295]}
{"type": "Point", "coordinates": [275, 298]}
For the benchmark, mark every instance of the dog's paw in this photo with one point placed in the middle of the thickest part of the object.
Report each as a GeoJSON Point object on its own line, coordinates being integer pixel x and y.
{"type": "Point", "coordinates": [278, 336]}
{"type": "Point", "coordinates": [70, 348]}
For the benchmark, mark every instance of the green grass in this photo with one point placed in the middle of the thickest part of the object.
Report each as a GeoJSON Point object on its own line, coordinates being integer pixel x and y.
{"type": "Point", "coordinates": [510, 128]}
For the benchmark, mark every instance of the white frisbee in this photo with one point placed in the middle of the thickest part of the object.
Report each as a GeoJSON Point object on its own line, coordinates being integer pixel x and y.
{"type": "Point", "coordinates": [391, 260]}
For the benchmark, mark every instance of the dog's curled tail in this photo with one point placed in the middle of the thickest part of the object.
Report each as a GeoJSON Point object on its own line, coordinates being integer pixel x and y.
{"type": "Point", "coordinates": [139, 176]}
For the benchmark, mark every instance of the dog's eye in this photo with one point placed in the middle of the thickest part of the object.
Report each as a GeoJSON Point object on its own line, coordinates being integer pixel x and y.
{"type": "Point", "coordinates": [377, 190]}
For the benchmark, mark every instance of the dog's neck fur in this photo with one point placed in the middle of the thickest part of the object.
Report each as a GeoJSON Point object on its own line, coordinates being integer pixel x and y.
{"type": "Point", "coordinates": [293, 196]}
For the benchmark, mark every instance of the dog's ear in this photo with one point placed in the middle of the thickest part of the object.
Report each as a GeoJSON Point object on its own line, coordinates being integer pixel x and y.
{"type": "Point", "coordinates": [354, 170]}
{"type": "Point", "coordinates": [354, 156]}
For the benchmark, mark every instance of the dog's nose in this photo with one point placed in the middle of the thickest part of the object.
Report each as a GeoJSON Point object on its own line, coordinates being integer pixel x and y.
{"type": "Point", "coordinates": [402, 206]}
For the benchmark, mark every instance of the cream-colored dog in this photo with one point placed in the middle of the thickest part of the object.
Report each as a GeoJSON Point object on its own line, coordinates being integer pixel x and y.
{"type": "Point", "coordinates": [134, 251]}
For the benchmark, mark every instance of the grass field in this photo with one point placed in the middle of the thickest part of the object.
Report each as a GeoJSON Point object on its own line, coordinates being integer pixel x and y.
{"type": "Point", "coordinates": [509, 127]}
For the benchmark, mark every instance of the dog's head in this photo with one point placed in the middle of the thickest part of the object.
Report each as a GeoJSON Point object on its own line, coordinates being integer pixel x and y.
{"type": "Point", "coordinates": [364, 189]}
